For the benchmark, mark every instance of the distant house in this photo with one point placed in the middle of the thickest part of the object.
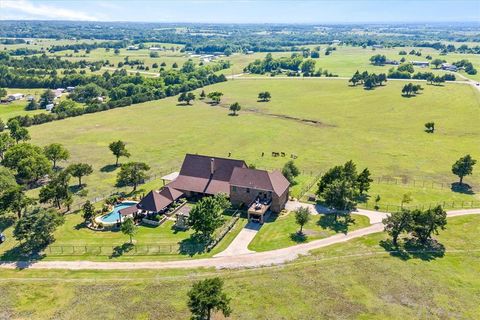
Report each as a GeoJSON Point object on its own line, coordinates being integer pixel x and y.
{"type": "Point", "coordinates": [422, 64]}
{"type": "Point", "coordinates": [132, 48]}
{"type": "Point", "coordinates": [15, 96]}
{"type": "Point", "coordinates": [155, 49]}
{"type": "Point", "coordinates": [30, 98]}
{"type": "Point", "coordinates": [70, 89]}
{"type": "Point", "coordinates": [249, 52]}
{"type": "Point", "coordinates": [378, 46]}
{"type": "Point", "coordinates": [49, 107]}
{"type": "Point", "coordinates": [336, 42]}
{"type": "Point", "coordinates": [449, 67]}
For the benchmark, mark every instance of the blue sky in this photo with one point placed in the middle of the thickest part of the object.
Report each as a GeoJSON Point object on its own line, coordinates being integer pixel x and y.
{"type": "Point", "coordinates": [244, 11]}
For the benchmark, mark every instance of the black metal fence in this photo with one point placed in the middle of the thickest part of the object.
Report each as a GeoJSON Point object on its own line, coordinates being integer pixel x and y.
{"type": "Point", "coordinates": [445, 205]}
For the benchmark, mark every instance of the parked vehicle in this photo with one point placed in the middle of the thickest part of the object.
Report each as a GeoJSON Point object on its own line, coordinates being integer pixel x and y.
{"type": "Point", "coordinates": [2, 238]}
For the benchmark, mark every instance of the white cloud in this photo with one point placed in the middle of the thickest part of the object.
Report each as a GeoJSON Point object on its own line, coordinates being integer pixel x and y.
{"type": "Point", "coordinates": [22, 9]}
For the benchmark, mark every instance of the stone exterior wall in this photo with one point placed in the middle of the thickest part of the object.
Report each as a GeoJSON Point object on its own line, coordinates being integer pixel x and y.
{"type": "Point", "coordinates": [239, 196]}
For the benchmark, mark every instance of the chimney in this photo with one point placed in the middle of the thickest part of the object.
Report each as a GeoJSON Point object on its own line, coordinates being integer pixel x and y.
{"type": "Point", "coordinates": [212, 166]}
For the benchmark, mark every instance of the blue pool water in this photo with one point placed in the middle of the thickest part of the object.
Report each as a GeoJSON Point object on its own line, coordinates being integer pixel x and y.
{"type": "Point", "coordinates": [114, 216]}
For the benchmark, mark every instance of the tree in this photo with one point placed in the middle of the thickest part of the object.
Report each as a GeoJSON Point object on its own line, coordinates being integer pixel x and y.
{"type": "Point", "coordinates": [308, 66]}
{"type": "Point", "coordinates": [87, 93]}
{"type": "Point", "coordinates": [397, 223]}
{"type": "Point", "coordinates": [119, 149]}
{"type": "Point", "coordinates": [47, 97]}
{"type": "Point", "coordinates": [378, 59]}
{"type": "Point", "coordinates": [186, 97]}
{"type": "Point", "coordinates": [410, 88]}
{"type": "Point", "coordinates": [2, 125]}
{"type": "Point", "coordinates": [132, 174]}
{"type": "Point", "coordinates": [302, 216]}
{"type": "Point", "coordinates": [202, 95]}
{"type": "Point", "coordinates": [36, 228]}
{"type": "Point", "coordinates": [428, 222]}
{"type": "Point", "coordinates": [290, 171]}
{"type": "Point", "coordinates": [18, 132]}
{"type": "Point", "coordinates": [437, 62]}
{"type": "Point", "coordinates": [207, 296]}
{"type": "Point", "coordinates": [175, 65]}
{"type": "Point", "coordinates": [264, 96]}
{"type": "Point", "coordinates": [3, 92]}
{"type": "Point", "coordinates": [235, 107]}
{"type": "Point", "coordinates": [29, 162]}
{"type": "Point", "coordinates": [5, 143]}
{"type": "Point", "coordinates": [14, 200]}
{"type": "Point", "coordinates": [32, 105]}
{"type": "Point", "coordinates": [341, 196]}
{"type": "Point", "coordinates": [364, 180]}
{"type": "Point", "coordinates": [356, 78]}
{"type": "Point", "coordinates": [215, 96]}
{"type": "Point", "coordinates": [7, 179]}
{"type": "Point", "coordinates": [463, 167]}
{"type": "Point", "coordinates": [56, 191]}
{"type": "Point", "coordinates": [56, 152]}
{"type": "Point", "coordinates": [88, 211]}
{"type": "Point", "coordinates": [430, 127]}
{"type": "Point", "coordinates": [129, 228]}
{"type": "Point", "coordinates": [79, 170]}
{"type": "Point", "coordinates": [205, 217]}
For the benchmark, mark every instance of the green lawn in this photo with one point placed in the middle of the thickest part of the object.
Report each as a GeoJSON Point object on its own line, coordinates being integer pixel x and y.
{"type": "Point", "coordinates": [17, 108]}
{"type": "Point", "coordinates": [330, 284]}
{"type": "Point", "coordinates": [76, 242]}
{"type": "Point", "coordinates": [377, 129]}
{"type": "Point", "coordinates": [281, 232]}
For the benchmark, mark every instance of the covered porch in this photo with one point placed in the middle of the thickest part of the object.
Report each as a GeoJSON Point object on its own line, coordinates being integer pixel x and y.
{"type": "Point", "coordinates": [257, 210]}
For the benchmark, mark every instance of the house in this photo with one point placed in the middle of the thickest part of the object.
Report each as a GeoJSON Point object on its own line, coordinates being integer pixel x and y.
{"type": "Point", "coordinates": [15, 96]}
{"type": "Point", "coordinates": [30, 98]}
{"type": "Point", "coordinates": [49, 107]}
{"type": "Point", "coordinates": [377, 46]}
{"type": "Point", "coordinates": [336, 42]}
{"type": "Point", "coordinates": [155, 49]}
{"type": "Point", "coordinates": [70, 89]}
{"type": "Point", "coordinates": [393, 62]}
{"type": "Point", "coordinates": [132, 48]}
{"type": "Point", "coordinates": [258, 190]}
{"type": "Point", "coordinates": [422, 64]}
{"type": "Point", "coordinates": [449, 67]}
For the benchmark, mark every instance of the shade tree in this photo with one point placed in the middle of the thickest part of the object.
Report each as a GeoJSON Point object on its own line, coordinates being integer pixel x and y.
{"type": "Point", "coordinates": [463, 167]}
{"type": "Point", "coordinates": [56, 152]}
{"type": "Point", "coordinates": [80, 170]}
{"type": "Point", "coordinates": [205, 217]}
{"type": "Point", "coordinates": [234, 108]}
{"type": "Point", "coordinates": [119, 149]}
{"type": "Point", "coordinates": [132, 174]}
{"type": "Point", "coordinates": [290, 171]}
{"type": "Point", "coordinates": [302, 216]}
{"type": "Point", "coordinates": [206, 297]}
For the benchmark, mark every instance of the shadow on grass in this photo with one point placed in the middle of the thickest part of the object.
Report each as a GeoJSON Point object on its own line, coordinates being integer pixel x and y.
{"type": "Point", "coordinates": [192, 245]}
{"type": "Point", "coordinates": [298, 237]}
{"type": "Point", "coordinates": [23, 255]}
{"type": "Point", "coordinates": [327, 221]}
{"type": "Point", "coordinates": [414, 249]}
{"type": "Point", "coordinates": [118, 251]}
{"type": "Point", "coordinates": [76, 188]}
{"type": "Point", "coordinates": [462, 188]}
{"type": "Point", "coordinates": [108, 168]}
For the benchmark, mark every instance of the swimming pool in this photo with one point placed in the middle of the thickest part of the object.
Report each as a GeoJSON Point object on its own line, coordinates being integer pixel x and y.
{"type": "Point", "coordinates": [114, 216]}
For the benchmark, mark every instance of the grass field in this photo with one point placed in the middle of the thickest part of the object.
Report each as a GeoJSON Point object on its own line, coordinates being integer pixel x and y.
{"type": "Point", "coordinates": [281, 232]}
{"type": "Point", "coordinates": [378, 129]}
{"type": "Point", "coordinates": [17, 108]}
{"type": "Point", "coordinates": [330, 284]}
{"type": "Point", "coordinates": [76, 242]}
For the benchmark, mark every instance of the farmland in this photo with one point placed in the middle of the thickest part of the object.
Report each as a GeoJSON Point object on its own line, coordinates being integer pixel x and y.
{"type": "Point", "coordinates": [370, 284]}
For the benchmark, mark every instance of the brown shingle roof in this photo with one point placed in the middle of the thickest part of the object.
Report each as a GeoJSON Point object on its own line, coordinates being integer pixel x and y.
{"type": "Point", "coordinates": [251, 178]}
{"type": "Point", "coordinates": [157, 200]}
{"type": "Point", "coordinates": [260, 179]}
{"type": "Point", "coordinates": [196, 174]}
{"type": "Point", "coordinates": [128, 210]}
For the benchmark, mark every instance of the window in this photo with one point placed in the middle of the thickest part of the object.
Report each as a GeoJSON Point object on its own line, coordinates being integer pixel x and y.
{"type": "Point", "coordinates": [248, 190]}
{"type": "Point", "coordinates": [234, 189]}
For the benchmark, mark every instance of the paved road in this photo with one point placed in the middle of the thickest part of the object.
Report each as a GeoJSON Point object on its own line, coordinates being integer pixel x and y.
{"type": "Point", "coordinates": [248, 260]}
{"type": "Point", "coordinates": [374, 216]}
{"type": "Point", "coordinates": [240, 244]}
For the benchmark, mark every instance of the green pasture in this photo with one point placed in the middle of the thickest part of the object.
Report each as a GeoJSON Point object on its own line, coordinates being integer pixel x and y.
{"type": "Point", "coordinates": [356, 279]}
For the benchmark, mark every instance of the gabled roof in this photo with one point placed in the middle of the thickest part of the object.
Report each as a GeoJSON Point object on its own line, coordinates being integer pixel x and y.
{"type": "Point", "coordinates": [196, 174]}
{"type": "Point", "coordinates": [251, 178]}
{"type": "Point", "coordinates": [157, 200]}
{"type": "Point", "coordinates": [260, 180]}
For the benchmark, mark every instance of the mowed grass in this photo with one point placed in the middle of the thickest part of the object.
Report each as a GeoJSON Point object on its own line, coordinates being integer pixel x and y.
{"type": "Point", "coordinates": [73, 241]}
{"type": "Point", "coordinates": [330, 284]}
{"type": "Point", "coordinates": [280, 232]}
{"type": "Point", "coordinates": [378, 129]}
